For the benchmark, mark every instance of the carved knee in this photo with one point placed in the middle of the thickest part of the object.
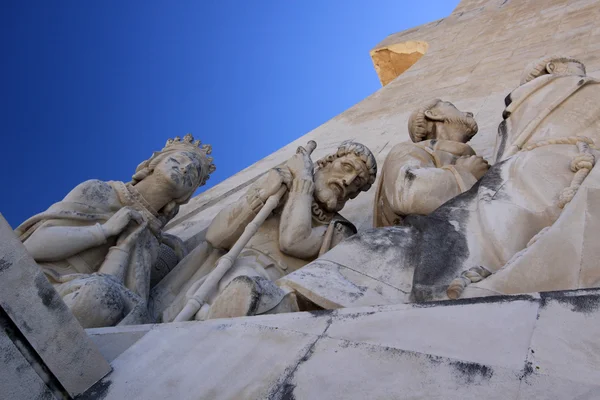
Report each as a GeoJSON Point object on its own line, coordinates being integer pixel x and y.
{"type": "Point", "coordinates": [246, 295]}
{"type": "Point", "coordinates": [96, 301]}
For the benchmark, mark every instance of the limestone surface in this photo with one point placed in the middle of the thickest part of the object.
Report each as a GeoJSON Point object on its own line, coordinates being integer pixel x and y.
{"type": "Point", "coordinates": [511, 347]}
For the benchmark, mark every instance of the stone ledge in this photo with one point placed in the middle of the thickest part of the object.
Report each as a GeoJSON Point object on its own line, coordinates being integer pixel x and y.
{"type": "Point", "coordinates": [465, 349]}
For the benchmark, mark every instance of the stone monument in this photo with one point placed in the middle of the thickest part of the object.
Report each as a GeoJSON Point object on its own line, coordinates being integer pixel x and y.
{"type": "Point", "coordinates": [473, 272]}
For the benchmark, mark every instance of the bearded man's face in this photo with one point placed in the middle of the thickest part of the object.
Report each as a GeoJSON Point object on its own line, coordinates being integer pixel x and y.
{"type": "Point", "coordinates": [340, 180]}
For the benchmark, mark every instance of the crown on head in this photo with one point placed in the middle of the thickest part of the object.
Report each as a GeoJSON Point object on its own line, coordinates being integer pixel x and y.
{"type": "Point", "coordinates": [176, 144]}
{"type": "Point", "coordinates": [195, 146]}
{"type": "Point", "coordinates": [189, 144]}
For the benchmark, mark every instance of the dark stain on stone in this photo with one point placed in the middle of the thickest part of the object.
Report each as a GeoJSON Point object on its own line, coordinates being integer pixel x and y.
{"type": "Point", "coordinates": [25, 326]}
{"type": "Point", "coordinates": [581, 82]}
{"type": "Point", "coordinates": [97, 392]}
{"type": "Point", "coordinates": [440, 248]}
{"type": "Point", "coordinates": [46, 292]}
{"type": "Point", "coordinates": [526, 372]}
{"type": "Point", "coordinates": [435, 360]}
{"type": "Point", "coordinates": [476, 300]}
{"type": "Point", "coordinates": [471, 373]}
{"type": "Point", "coordinates": [379, 239]}
{"type": "Point", "coordinates": [287, 392]}
{"type": "Point", "coordinates": [493, 181]}
{"type": "Point", "coordinates": [438, 252]}
{"type": "Point", "coordinates": [320, 313]}
{"type": "Point", "coordinates": [97, 191]}
{"type": "Point", "coordinates": [46, 395]}
{"type": "Point", "coordinates": [581, 304]}
{"type": "Point", "coordinates": [410, 176]}
{"type": "Point", "coordinates": [7, 357]}
{"type": "Point", "coordinates": [360, 293]}
{"type": "Point", "coordinates": [4, 264]}
{"type": "Point", "coordinates": [503, 136]}
{"type": "Point", "coordinates": [222, 327]}
{"type": "Point", "coordinates": [347, 316]}
{"type": "Point", "coordinates": [433, 142]}
{"type": "Point", "coordinates": [503, 3]}
{"type": "Point", "coordinates": [284, 389]}
{"type": "Point", "coordinates": [584, 303]}
{"type": "Point", "coordinates": [31, 355]}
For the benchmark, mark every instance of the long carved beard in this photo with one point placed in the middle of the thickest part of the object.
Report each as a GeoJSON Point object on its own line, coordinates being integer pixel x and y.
{"type": "Point", "coordinates": [325, 198]}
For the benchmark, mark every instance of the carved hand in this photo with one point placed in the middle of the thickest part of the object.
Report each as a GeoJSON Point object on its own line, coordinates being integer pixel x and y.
{"type": "Point", "coordinates": [130, 235]}
{"type": "Point", "coordinates": [300, 165]}
{"type": "Point", "coordinates": [275, 178]}
{"type": "Point", "coordinates": [476, 165]}
{"type": "Point", "coordinates": [117, 223]}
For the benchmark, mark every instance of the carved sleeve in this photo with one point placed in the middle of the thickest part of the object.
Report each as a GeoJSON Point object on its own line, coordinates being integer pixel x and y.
{"type": "Point", "coordinates": [414, 185]}
{"type": "Point", "coordinates": [297, 237]}
{"type": "Point", "coordinates": [54, 243]}
{"type": "Point", "coordinates": [60, 238]}
{"type": "Point", "coordinates": [229, 224]}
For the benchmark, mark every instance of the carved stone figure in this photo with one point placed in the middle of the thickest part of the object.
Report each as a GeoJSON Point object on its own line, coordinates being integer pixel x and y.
{"type": "Point", "coordinates": [98, 244]}
{"type": "Point", "coordinates": [419, 176]}
{"type": "Point", "coordinates": [305, 225]}
{"type": "Point", "coordinates": [484, 237]}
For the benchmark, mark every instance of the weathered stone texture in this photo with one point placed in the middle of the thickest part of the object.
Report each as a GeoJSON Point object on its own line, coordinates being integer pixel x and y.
{"type": "Point", "coordinates": [48, 328]}
{"type": "Point", "coordinates": [18, 379]}
{"type": "Point", "coordinates": [508, 347]}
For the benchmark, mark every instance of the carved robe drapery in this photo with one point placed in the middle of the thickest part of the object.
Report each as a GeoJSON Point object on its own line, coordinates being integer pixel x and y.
{"type": "Point", "coordinates": [94, 202]}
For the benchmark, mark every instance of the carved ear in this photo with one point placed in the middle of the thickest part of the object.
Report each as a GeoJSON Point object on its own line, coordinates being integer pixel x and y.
{"type": "Point", "coordinates": [550, 67]}
{"type": "Point", "coordinates": [434, 116]}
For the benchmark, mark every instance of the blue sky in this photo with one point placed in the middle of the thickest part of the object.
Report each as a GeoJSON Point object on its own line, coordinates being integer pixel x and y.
{"type": "Point", "coordinates": [91, 88]}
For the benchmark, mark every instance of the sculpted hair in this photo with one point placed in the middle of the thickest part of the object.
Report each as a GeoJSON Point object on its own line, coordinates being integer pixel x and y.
{"type": "Point", "coordinates": [359, 150]}
{"type": "Point", "coordinates": [417, 122]}
{"type": "Point", "coordinates": [537, 68]}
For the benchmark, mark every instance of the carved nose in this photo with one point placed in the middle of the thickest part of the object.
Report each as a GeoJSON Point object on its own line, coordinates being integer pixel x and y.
{"type": "Point", "coordinates": [470, 114]}
{"type": "Point", "coordinates": [348, 181]}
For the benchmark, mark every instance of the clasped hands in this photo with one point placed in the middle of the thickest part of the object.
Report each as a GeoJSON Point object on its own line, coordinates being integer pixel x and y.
{"type": "Point", "coordinates": [128, 224]}
{"type": "Point", "coordinates": [299, 166]}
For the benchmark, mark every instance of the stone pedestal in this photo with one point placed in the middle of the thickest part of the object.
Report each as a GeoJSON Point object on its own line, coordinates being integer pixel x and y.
{"type": "Point", "coordinates": [45, 351]}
